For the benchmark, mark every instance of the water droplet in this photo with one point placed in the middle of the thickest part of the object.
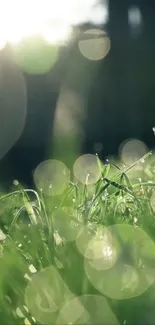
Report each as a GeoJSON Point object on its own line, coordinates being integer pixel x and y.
{"type": "Point", "coordinates": [26, 322]}
{"type": "Point", "coordinates": [32, 269]}
{"type": "Point", "coordinates": [19, 313]}
{"type": "Point", "coordinates": [2, 235]}
{"type": "Point", "coordinates": [15, 182]}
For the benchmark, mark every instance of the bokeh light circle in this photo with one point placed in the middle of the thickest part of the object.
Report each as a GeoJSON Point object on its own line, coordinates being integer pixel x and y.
{"type": "Point", "coordinates": [13, 99]}
{"type": "Point", "coordinates": [34, 55]}
{"type": "Point", "coordinates": [45, 295]}
{"type": "Point", "coordinates": [86, 169]}
{"type": "Point", "coordinates": [85, 235]}
{"type": "Point", "coordinates": [133, 271]}
{"type": "Point", "coordinates": [132, 150]}
{"type": "Point", "coordinates": [51, 177]}
{"type": "Point", "coordinates": [95, 44]}
{"type": "Point", "coordinates": [95, 243]}
{"type": "Point", "coordinates": [87, 309]}
{"type": "Point", "coordinates": [101, 253]}
{"type": "Point", "coordinates": [66, 223]}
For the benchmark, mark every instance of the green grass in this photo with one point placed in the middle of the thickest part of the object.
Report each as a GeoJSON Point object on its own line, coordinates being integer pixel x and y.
{"type": "Point", "coordinates": [44, 232]}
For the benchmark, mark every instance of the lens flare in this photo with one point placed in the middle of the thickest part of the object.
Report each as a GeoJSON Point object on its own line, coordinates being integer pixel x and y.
{"type": "Point", "coordinates": [100, 253]}
{"type": "Point", "coordinates": [34, 56]}
{"type": "Point", "coordinates": [20, 19]}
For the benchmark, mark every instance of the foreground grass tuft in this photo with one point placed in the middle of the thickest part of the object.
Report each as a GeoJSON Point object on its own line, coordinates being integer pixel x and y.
{"type": "Point", "coordinates": [41, 233]}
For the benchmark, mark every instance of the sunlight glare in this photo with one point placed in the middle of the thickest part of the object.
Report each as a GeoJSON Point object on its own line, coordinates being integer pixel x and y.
{"type": "Point", "coordinates": [26, 18]}
{"type": "Point", "coordinates": [56, 34]}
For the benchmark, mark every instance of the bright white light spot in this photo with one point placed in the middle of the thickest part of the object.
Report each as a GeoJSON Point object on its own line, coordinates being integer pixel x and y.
{"type": "Point", "coordinates": [15, 182]}
{"type": "Point", "coordinates": [26, 276]}
{"type": "Point", "coordinates": [32, 269]}
{"type": "Point", "coordinates": [56, 33]}
{"type": "Point", "coordinates": [100, 14]}
{"type": "Point", "coordinates": [19, 313]}
{"type": "Point", "coordinates": [95, 44]}
{"type": "Point", "coordinates": [134, 16]}
{"type": "Point", "coordinates": [101, 253]}
{"type": "Point", "coordinates": [86, 169]}
{"type": "Point", "coordinates": [20, 19]}
{"type": "Point", "coordinates": [26, 308]}
{"type": "Point", "coordinates": [107, 252]}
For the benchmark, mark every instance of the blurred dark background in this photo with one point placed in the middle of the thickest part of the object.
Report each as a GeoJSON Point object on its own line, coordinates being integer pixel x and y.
{"type": "Point", "coordinates": [118, 93]}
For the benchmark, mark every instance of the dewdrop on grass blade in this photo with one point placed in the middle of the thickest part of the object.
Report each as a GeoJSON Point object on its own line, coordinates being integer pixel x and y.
{"type": "Point", "coordinates": [2, 235]}
{"type": "Point", "coordinates": [32, 269]}
{"type": "Point", "coordinates": [26, 322]}
{"type": "Point", "coordinates": [19, 313]}
{"type": "Point", "coordinates": [15, 182]}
